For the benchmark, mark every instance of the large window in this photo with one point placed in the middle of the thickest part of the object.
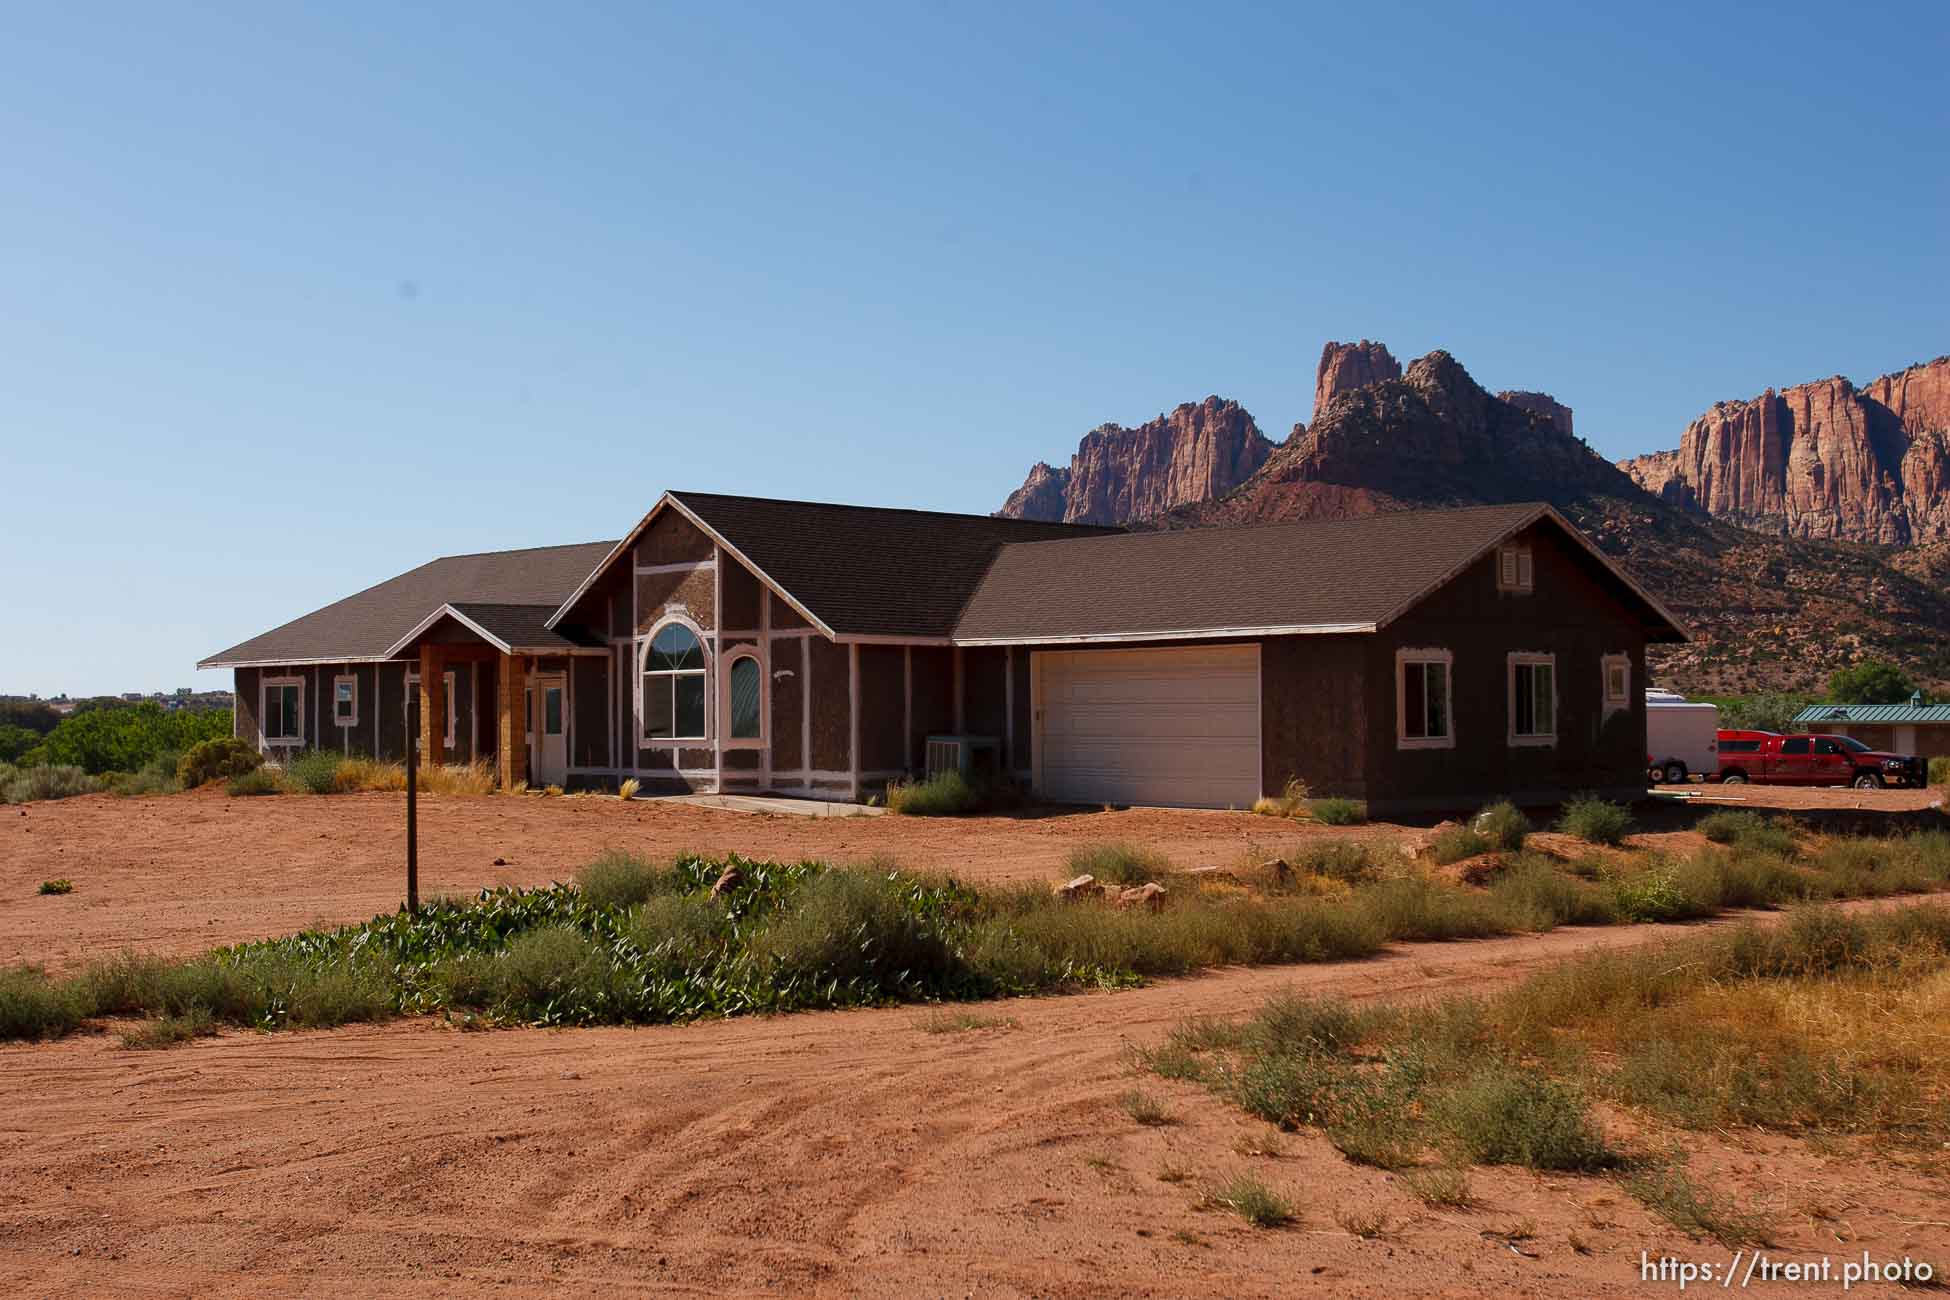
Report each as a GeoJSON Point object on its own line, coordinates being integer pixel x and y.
{"type": "Point", "coordinates": [1533, 699]}
{"type": "Point", "coordinates": [745, 678]}
{"type": "Point", "coordinates": [283, 711]}
{"type": "Point", "coordinates": [673, 685]}
{"type": "Point", "coordinates": [1422, 713]}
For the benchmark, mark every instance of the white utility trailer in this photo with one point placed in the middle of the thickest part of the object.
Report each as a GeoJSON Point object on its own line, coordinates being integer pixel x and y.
{"type": "Point", "coordinates": [1682, 739]}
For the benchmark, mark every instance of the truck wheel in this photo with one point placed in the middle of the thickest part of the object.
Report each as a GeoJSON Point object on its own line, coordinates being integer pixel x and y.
{"type": "Point", "coordinates": [1869, 781]}
{"type": "Point", "coordinates": [1675, 773]}
{"type": "Point", "coordinates": [1734, 778]}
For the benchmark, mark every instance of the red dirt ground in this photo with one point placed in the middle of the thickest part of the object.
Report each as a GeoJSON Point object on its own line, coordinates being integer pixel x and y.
{"type": "Point", "coordinates": [845, 1153]}
{"type": "Point", "coordinates": [838, 1154]}
{"type": "Point", "coordinates": [181, 873]}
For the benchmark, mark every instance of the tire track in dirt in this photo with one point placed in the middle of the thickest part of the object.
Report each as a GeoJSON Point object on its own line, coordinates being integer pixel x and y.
{"type": "Point", "coordinates": [834, 1153]}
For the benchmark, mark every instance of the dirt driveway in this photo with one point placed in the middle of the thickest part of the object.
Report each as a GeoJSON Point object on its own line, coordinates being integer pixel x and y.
{"type": "Point", "coordinates": [841, 1154]}
{"type": "Point", "coordinates": [181, 873]}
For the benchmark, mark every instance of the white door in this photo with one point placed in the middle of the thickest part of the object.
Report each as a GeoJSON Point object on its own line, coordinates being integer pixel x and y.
{"type": "Point", "coordinates": [1173, 727]}
{"type": "Point", "coordinates": [550, 765]}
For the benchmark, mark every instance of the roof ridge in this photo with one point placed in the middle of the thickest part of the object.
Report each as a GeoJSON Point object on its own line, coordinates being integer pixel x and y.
{"type": "Point", "coordinates": [1258, 525]}
{"type": "Point", "coordinates": [515, 550]}
{"type": "Point", "coordinates": [1006, 520]}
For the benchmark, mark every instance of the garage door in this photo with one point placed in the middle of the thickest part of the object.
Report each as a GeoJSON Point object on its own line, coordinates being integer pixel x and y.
{"type": "Point", "coordinates": [1175, 727]}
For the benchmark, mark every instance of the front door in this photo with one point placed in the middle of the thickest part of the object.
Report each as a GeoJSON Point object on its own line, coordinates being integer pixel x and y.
{"type": "Point", "coordinates": [550, 737]}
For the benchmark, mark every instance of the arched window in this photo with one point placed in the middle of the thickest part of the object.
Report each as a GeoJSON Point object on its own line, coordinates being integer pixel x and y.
{"type": "Point", "coordinates": [744, 677]}
{"type": "Point", "coordinates": [673, 685]}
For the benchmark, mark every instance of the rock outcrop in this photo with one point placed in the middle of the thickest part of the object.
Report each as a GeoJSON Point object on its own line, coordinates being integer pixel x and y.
{"type": "Point", "coordinates": [1431, 436]}
{"type": "Point", "coordinates": [1345, 367]}
{"type": "Point", "coordinates": [1196, 451]}
{"type": "Point", "coordinates": [1823, 459]}
{"type": "Point", "coordinates": [1541, 404]}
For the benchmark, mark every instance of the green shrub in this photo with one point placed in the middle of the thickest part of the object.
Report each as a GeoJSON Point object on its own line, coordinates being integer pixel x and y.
{"type": "Point", "coordinates": [1118, 863]}
{"type": "Point", "coordinates": [1534, 895]}
{"type": "Point", "coordinates": [126, 737]}
{"type": "Point", "coordinates": [618, 879]}
{"type": "Point", "coordinates": [1595, 820]}
{"type": "Point", "coordinates": [1412, 908]}
{"type": "Point", "coordinates": [678, 930]}
{"type": "Point", "coordinates": [16, 741]}
{"type": "Point", "coordinates": [1940, 770]}
{"type": "Point", "coordinates": [1456, 843]}
{"type": "Point", "coordinates": [1505, 1116]}
{"type": "Point", "coordinates": [217, 759]}
{"type": "Point", "coordinates": [158, 776]}
{"type": "Point", "coordinates": [946, 794]}
{"type": "Point", "coordinates": [1340, 860]}
{"type": "Point", "coordinates": [258, 781]}
{"type": "Point", "coordinates": [125, 984]}
{"type": "Point", "coordinates": [1655, 894]}
{"type": "Point", "coordinates": [851, 928]}
{"type": "Point", "coordinates": [59, 886]}
{"type": "Point", "coordinates": [1750, 830]}
{"type": "Point", "coordinates": [1503, 824]}
{"type": "Point", "coordinates": [32, 1006]}
{"type": "Point", "coordinates": [1335, 811]}
{"type": "Point", "coordinates": [1255, 1202]}
{"type": "Point", "coordinates": [315, 771]}
{"type": "Point", "coordinates": [29, 784]}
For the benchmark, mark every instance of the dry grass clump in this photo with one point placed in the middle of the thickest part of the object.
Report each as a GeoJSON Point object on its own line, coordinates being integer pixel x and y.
{"type": "Point", "coordinates": [1290, 802]}
{"type": "Point", "coordinates": [1119, 863]}
{"type": "Point", "coordinates": [1824, 1027]}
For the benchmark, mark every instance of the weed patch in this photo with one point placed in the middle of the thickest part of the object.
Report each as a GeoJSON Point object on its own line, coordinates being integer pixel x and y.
{"type": "Point", "coordinates": [1595, 820]}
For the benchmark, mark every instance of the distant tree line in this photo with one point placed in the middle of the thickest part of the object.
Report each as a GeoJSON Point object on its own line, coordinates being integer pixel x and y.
{"type": "Point", "coordinates": [107, 737]}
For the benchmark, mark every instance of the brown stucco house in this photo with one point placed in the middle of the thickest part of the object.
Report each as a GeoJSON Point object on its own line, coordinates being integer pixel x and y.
{"type": "Point", "coordinates": [1419, 660]}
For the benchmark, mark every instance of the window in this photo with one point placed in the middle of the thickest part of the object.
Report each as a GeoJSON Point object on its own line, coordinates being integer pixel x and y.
{"type": "Point", "coordinates": [1422, 715]}
{"type": "Point", "coordinates": [1533, 699]}
{"type": "Point", "coordinates": [283, 710]}
{"type": "Point", "coordinates": [1740, 747]}
{"type": "Point", "coordinates": [1618, 683]}
{"type": "Point", "coordinates": [673, 685]}
{"type": "Point", "coordinates": [345, 701]}
{"type": "Point", "coordinates": [1798, 745]}
{"type": "Point", "coordinates": [1831, 747]}
{"type": "Point", "coordinates": [412, 698]}
{"type": "Point", "coordinates": [744, 677]}
{"type": "Point", "coordinates": [1513, 568]}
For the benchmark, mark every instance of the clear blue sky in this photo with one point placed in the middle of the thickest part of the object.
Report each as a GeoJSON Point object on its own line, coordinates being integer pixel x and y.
{"type": "Point", "coordinates": [296, 297]}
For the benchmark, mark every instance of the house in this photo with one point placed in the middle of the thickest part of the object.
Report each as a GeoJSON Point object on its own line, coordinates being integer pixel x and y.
{"type": "Point", "coordinates": [1426, 659]}
{"type": "Point", "coordinates": [1913, 728]}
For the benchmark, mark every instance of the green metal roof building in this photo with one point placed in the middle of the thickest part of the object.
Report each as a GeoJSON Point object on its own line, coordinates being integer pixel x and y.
{"type": "Point", "coordinates": [1912, 728]}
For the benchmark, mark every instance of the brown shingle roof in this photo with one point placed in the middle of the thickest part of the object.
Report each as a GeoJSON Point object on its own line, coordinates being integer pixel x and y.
{"type": "Point", "coordinates": [365, 626]}
{"type": "Point", "coordinates": [1318, 575]}
{"type": "Point", "coordinates": [867, 570]}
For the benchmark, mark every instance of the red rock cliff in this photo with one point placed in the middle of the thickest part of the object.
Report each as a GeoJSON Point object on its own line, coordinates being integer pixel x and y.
{"type": "Point", "coordinates": [1196, 451]}
{"type": "Point", "coordinates": [1541, 404]}
{"type": "Point", "coordinates": [1345, 367]}
{"type": "Point", "coordinates": [1823, 459]}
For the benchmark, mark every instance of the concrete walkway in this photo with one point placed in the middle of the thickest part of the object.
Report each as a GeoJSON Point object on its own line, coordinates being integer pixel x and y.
{"type": "Point", "coordinates": [770, 805]}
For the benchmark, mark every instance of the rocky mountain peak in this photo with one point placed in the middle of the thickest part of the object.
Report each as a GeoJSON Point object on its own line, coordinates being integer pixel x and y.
{"type": "Point", "coordinates": [1195, 451]}
{"type": "Point", "coordinates": [1345, 367]}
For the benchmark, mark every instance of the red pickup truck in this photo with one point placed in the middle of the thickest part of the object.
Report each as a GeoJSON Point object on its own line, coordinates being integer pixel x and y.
{"type": "Point", "coordinates": [1768, 759]}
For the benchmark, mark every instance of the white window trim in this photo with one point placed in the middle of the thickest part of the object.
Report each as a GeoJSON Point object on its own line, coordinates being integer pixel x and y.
{"type": "Point", "coordinates": [337, 681]}
{"type": "Point", "coordinates": [1515, 569]}
{"type": "Point", "coordinates": [730, 657]}
{"type": "Point", "coordinates": [644, 740]}
{"type": "Point", "coordinates": [1533, 658]}
{"type": "Point", "coordinates": [1615, 703]}
{"type": "Point", "coordinates": [1435, 655]}
{"type": "Point", "coordinates": [264, 686]}
{"type": "Point", "coordinates": [413, 689]}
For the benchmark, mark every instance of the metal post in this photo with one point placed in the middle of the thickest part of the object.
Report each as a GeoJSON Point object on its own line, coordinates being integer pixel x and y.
{"type": "Point", "coordinates": [413, 804]}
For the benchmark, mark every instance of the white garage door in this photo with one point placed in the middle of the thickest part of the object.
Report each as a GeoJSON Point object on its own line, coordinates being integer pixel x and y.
{"type": "Point", "coordinates": [1176, 727]}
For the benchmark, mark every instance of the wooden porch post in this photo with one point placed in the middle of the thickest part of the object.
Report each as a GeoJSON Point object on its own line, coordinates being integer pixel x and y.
{"type": "Point", "coordinates": [433, 704]}
{"type": "Point", "coordinates": [511, 701]}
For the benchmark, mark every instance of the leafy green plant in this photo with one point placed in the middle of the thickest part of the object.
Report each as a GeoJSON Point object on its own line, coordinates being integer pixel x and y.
{"type": "Point", "coordinates": [124, 738]}
{"type": "Point", "coordinates": [60, 886]}
{"type": "Point", "coordinates": [315, 771]}
{"type": "Point", "coordinates": [256, 782]}
{"type": "Point", "coordinates": [217, 759]}
{"type": "Point", "coordinates": [1335, 811]}
{"type": "Point", "coordinates": [1503, 824]}
{"type": "Point", "coordinates": [1255, 1202]}
{"type": "Point", "coordinates": [1119, 863]}
{"type": "Point", "coordinates": [1595, 820]}
{"type": "Point", "coordinates": [30, 784]}
{"type": "Point", "coordinates": [946, 794]}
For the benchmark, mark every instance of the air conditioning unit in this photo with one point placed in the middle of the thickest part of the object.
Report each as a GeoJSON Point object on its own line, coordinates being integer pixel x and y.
{"type": "Point", "coordinates": [977, 758]}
